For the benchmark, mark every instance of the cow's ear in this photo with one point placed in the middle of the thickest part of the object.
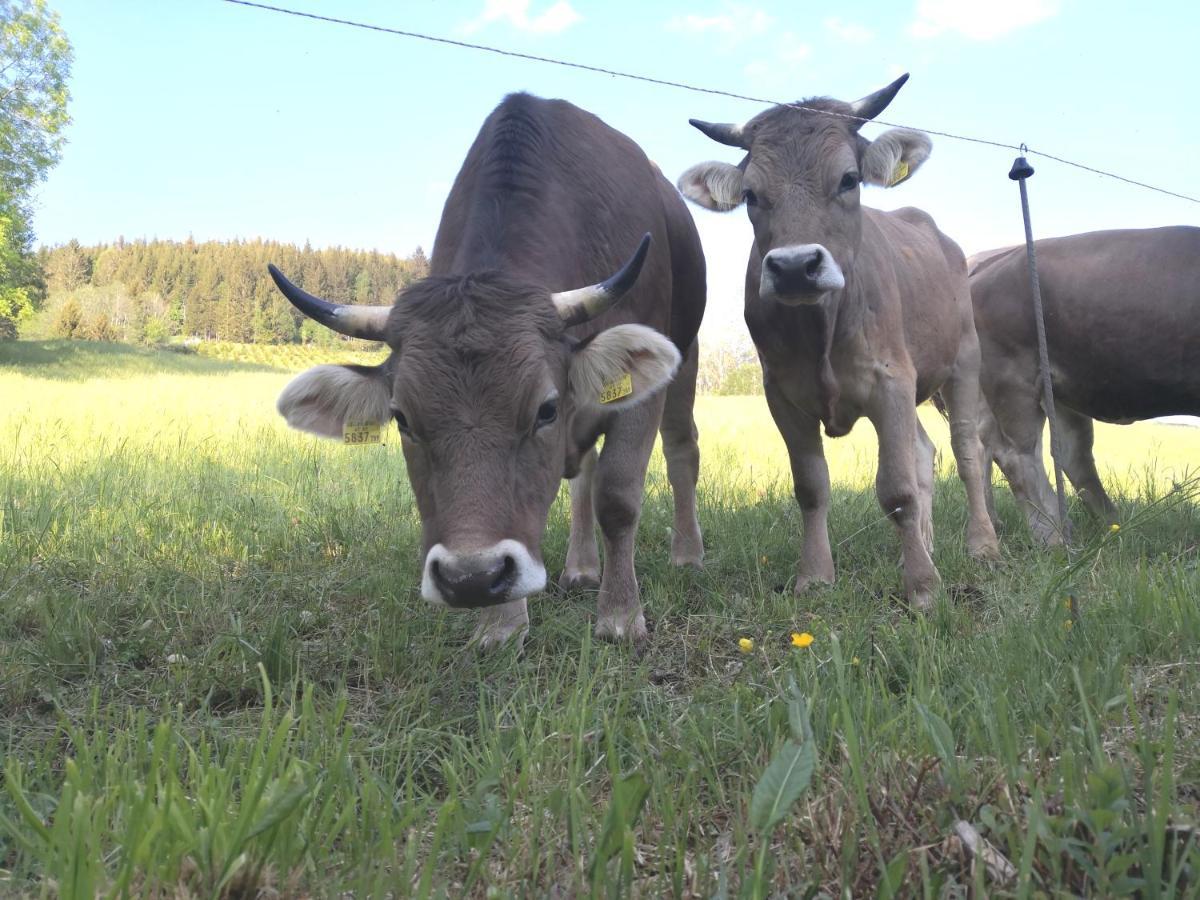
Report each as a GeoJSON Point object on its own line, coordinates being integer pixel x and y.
{"type": "Point", "coordinates": [324, 398]}
{"type": "Point", "coordinates": [713, 185]}
{"type": "Point", "coordinates": [894, 156]}
{"type": "Point", "coordinates": [621, 367]}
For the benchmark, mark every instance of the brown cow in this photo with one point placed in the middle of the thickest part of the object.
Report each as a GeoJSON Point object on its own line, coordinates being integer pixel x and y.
{"type": "Point", "coordinates": [500, 388]}
{"type": "Point", "coordinates": [1122, 313]}
{"type": "Point", "coordinates": [854, 312]}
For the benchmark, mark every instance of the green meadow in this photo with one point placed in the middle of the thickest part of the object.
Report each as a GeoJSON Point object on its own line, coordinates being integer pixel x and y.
{"type": "Point", "coordinates": [217, 677]}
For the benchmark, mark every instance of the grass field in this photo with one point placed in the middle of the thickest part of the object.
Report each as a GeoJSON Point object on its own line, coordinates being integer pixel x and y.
{"type": "Point", "coordinates": [217, 678]}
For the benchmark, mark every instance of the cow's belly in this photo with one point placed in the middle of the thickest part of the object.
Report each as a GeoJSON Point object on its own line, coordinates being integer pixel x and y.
{"type": "Point", "coordinates": [1116, 394]}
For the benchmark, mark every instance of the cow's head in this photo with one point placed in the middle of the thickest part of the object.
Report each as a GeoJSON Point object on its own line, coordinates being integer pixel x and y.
{"type": "Point", "coordinates": [800, 183]}
{"type": "Point", "coordinates": [486, 389]}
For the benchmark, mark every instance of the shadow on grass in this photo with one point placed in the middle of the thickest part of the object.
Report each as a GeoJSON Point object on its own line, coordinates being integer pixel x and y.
{"type": "Point", "coordinates": [65, 360]}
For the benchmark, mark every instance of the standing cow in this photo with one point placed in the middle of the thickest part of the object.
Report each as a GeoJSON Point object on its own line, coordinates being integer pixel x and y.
{"type": "Point", "coordinates": [1122, 313]}
{"type": "Point", "coordinates": [854, 312]}
{"type": "Point", "coordinates": [501, 387]}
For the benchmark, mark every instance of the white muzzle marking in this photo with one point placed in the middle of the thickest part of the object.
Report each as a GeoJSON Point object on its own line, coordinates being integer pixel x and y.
{"type": "Point", "coordinates": [529, 575]}
{"type": "Point", "coordinates": [799, 274]}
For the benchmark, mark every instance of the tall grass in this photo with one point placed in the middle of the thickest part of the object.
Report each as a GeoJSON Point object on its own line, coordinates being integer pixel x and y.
{"type": "Point", "coordinates": [217, 678]}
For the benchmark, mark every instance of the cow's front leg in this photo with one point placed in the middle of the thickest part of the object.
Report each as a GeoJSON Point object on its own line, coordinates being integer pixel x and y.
{"type": "Point", "coordinates": [500, 624]}
{"type": "Point", "coordinates": [898, 488]}
{"type": "Point", "coordinates": [810, 479]}
{"type": "Point", "coordinates": [582, 569]}
{"type": "Point", "coordinates": [620, 483]}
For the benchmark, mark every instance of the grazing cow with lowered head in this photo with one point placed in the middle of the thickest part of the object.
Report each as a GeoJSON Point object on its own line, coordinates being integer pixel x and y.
{"type": "Point", "coordinates": [855, 312]}
{"type": "Point", "coordinates": [1122, 312]}
{"type": "Point", "coordinates": [504, 372]}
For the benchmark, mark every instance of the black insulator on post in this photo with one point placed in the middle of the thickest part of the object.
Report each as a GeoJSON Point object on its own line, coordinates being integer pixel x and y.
{"type": "Point", "coordinates": [1021, 169]}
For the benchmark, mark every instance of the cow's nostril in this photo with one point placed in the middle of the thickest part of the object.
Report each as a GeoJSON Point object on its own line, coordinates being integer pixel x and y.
{"type": "Point", "coordinates": [504, 578]}
{"type": "Point", "coordinates": [773, 265]}
{"type": "Point", "coordinates": [814, 265]}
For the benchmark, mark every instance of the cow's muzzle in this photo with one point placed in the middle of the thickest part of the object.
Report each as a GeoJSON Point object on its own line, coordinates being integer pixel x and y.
{"type": "Point", "coordinates": [799, 274]}
{"type": "Point", "coordinates": [504, 572]}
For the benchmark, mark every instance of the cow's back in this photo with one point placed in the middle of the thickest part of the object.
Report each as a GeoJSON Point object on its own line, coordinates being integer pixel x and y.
{"type": "Point", "coordinates": [1122, 313]}
{"type": "Point", "coordinates": [924, 272]}
{"type": "Point", "coordinates": [550, 193]}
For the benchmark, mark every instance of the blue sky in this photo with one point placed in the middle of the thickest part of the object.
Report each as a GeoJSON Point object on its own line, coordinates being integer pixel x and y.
{"type": "Point", "coordinates": [199, 117]}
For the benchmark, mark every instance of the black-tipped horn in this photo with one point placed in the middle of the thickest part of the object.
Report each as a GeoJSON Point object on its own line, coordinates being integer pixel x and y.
{"type": "Point", "coordinates": [873, 104]}
{"type": "Point", "coordinates": [578, 306]}
{"type": "Point", "coordinates": [726, 133]}
{"type": "Point", "coordinates": [366, 322]}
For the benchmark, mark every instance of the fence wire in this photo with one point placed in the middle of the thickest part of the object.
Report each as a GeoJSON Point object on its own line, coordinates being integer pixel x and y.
{"type": "Point", "coordinates": [663, 82]}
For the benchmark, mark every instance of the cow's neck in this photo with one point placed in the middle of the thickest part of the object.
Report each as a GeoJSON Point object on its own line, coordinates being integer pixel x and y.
{"type": "Point", "coordinates": [810, 336]}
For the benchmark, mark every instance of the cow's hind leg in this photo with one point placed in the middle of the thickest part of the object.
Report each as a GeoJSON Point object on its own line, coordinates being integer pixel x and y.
{"type": "Point", "coordinates": [582, 568]}
{"type": "Point", "coordinates": [966, 412]}
{"type": "Point", "coordinates": [810, 479]}
{"type": "Point", "coordinates": [1078, 435]}
{"type": "Point", "coordinates": [895, 419]}
{"type": "Point", "coordinates": [620, 483]}
{"type": "Point", "coordinates": [683, 462]}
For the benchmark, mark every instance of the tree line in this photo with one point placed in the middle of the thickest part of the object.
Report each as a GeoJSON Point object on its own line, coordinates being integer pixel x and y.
{"type": "Point", "coordinates": [150, 291]}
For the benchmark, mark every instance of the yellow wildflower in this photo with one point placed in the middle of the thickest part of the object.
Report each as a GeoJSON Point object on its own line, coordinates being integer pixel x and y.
{"type": "Point", "coordinates": [1067, 603]}
{"type": "Point", "coordinates": [1068, 624]}
{"type": "Point", "coordinates": [801, 638]}
{"type": "Point", "coordinates": [854, 661]}
{"type": "Point", "coordinates": [1114, 527]}
{"type": "Point", "coordinates": [745, 645]}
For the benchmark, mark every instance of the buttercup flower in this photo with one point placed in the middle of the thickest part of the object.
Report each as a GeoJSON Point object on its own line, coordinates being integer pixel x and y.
{"type": "Point", "coordinates": [854, 661]}
{"type": "Point", "coordinates": [745, 645]}
{"type": "Point", "coordinates": [1114, 527]}
{"type": "Point", "coordinates": [801, 638]}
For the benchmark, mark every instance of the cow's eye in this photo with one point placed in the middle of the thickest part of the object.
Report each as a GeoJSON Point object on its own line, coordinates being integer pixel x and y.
{"type": "Point", "coordinates": [848, 183]}
{"type": "Point", "coordinates": [547, 412]}
{"type": "Point", "coordinates": [401, 422]}
{"type": "Point", "coordinates": [749, 197]}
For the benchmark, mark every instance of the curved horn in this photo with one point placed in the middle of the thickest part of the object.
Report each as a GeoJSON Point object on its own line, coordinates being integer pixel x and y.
{"type": "Point", "coordinates": [578, 306]}
{"type": "Point", "coordinates": [366, 322]}
{"type": "Point", "coordinates": [873, 104]}
{"type": "Point", "coordinates": [722, 132]}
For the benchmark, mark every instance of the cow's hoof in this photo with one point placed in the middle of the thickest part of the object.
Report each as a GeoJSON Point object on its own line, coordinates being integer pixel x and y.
{"type": "Point", "coordinates": [498, 625]}
{"type": "Point", "coordinates": [496, 636]}
{"type": "Point", "coordinates": [806, 584]}
{"type": "Point", "coordinates": [579, 580]}
{"type": "Point", "coordinates": [622, 628]}
{"type": "Point", "coordinates": [986, 550]}
{"type": "Point", "coordinates": [687, 552]}
{"type": "Point", "coordinates": [690, 561]}
{"type": "Point", "coordinates": [921, 601]}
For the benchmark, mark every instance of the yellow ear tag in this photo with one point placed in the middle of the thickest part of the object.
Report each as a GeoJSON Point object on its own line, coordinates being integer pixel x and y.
{"type": "Point", "coordinates": [615, 390]}
{"type": "Point", "coordinates": [899, 173]}
{"type": "Point", "coordinates": [361, 433]}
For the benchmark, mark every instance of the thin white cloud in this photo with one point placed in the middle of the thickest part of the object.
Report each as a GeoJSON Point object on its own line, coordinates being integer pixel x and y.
{"type": "Point", "coordinates": [850, 32]}
{"type": "Point", "coordinates": [558, 17]}
{"type": "Point", "coordinates": [978, 20]}
{"type": "Point", "coordinates": [775, 71]}
{"type": "Point", "coordinates": [735, 21]}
